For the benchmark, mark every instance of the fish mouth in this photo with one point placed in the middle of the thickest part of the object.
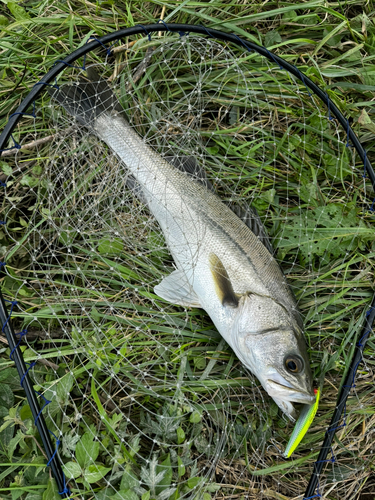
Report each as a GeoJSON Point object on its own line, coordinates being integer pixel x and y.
{"type": "Point", "coordinates": [280, 391]}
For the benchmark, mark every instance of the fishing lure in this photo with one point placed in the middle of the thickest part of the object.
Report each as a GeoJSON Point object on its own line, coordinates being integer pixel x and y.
{"type": "Point", "coordinates": [303, 423]}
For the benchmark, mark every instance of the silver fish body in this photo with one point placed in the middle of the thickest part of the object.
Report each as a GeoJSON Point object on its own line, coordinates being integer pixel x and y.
{"type": "Point", "coordinates": [221, 265]}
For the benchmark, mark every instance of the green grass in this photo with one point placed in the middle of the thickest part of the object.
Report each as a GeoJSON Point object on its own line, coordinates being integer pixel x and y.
{"type": "Point", "coordinates": [334, 45]}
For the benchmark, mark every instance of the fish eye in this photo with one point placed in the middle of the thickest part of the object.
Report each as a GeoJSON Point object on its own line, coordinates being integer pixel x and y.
{"type": "Point", "coordinates": [294, 364]}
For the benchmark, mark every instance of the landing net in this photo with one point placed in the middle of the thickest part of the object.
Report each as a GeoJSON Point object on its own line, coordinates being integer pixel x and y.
{"type": "Point", "coordinates": [146, 396]}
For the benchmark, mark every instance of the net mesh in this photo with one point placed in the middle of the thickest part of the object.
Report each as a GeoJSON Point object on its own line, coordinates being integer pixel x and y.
{"type": "Point", "coordinates": [146, 396]}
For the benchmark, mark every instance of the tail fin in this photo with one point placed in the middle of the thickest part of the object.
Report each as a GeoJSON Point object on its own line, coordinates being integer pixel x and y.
{"type": "Point", "coordinates": [87, 100]}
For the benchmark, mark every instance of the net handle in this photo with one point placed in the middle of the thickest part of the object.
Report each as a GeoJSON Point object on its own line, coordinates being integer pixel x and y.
{"type": "Point", "coordinates": [16, 356]}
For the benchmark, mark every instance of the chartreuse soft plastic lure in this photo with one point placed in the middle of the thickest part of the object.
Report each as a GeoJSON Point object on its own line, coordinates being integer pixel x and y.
{"type": "Point", "coordinates": [302, 425]}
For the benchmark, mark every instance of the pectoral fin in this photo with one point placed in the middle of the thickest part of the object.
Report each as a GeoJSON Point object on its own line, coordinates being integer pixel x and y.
{"type": "Point", "coordinates": [223, 285]}
{"type": "Point", "coordinates": [176, 289]}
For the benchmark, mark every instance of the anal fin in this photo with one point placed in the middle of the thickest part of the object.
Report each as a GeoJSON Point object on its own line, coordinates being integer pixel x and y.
{"type": "Point", "coordinates": [176, 289]}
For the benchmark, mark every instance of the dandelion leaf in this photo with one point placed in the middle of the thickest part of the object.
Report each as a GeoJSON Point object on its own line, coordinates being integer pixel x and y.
{"type": "Point", "coordinates": [328, 231]}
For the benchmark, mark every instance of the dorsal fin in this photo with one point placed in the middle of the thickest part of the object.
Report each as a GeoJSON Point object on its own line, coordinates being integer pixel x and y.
{"type": "Point", "coordinates": [189, 165]}
{"type": "Point", "coordinates": [251, 218]}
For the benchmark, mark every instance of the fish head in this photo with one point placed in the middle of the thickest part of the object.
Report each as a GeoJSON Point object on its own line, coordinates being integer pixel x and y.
{"type": "Point", "coordinates": [270, 343]}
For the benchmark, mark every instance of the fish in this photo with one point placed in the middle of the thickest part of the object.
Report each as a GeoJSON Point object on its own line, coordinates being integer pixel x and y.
{"type": "Point", "coordinates": [224, 263]}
